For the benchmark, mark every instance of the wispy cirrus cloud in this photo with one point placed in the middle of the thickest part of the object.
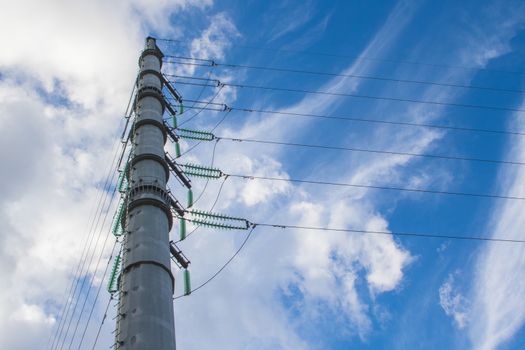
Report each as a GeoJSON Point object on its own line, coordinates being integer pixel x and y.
{"type": "Point", "coordinates": [453, 303]}
{"type": "Point", "coordinates": [322, 269]}
{"type": "Point", "coordinates": [320, 274]}
{"type": "Point", "coordinates": [299, 16]}
{"type": "Point", "coordinates": [499, 283]}
{"type": "Point", "coordinates": [496, 312]}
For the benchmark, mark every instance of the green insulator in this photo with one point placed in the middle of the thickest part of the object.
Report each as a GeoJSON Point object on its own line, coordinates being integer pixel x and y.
{"type": "Point", "coordinates": [216, 225]}
{"type": "Point", "coordinates": [190, 198]}
{"type": "Point", "coordinates": [182, 228]}
{"type": "Point", "coordinates": [116, 228]}
{"type": "Point", "coordinates": [123, 186]}
{"type": "Point", "coordinates": [113, 276]}
{"type": "Point", "coordinates": [187, 282]}
{"type": "Point", "coordinates": [196, 135]}
{"type": "Point", "coordinates": [181, 108]}
{"type": "Point", "coordinates": [202, 171]}
{"type": "Point", "coordinates": [120, 231]}
{"type": "Point", "coordinates": [177, 150]}
{"type": "Point", "coordinates": [216, 216]}
{"type": "Point", "coordinates": [174, 121]}
{"type": "Point", "coordinates": [122, 183]}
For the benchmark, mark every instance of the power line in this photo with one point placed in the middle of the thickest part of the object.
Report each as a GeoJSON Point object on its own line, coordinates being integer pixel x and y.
{"type": "Point", "coordinates": [208, 180]}
{"type": "Point", "coordinates": [98, 294]}
{"type": "Point", "coordinates": [367, 97]}
{"type": "Point", "coordinates": [204, 88]}
{"type": "Point", "coordinates": [74, 272]}
{"type": "Point", "coordinates": [358, 57]}
{"type": "Point", "coordinates": [215, 127]}
{"type": "Point", "coordinates": [111, 198]}
{"type": "Point", "coordinates": [371, 232]}
{"type": "Point", "coordinates": [204, 189]}
{"type": "Point", "coordinates": [223, 266]}
{"type": "Point", "coordinates": [402, 189]}
{"type": "Point", "coordinates": [214, 63]}
{"type": "Point", "coordinates": [221, 107]}
{"type": "Point", "coordinates": [367, 150]}
{"type": "Point", "coordinates": [408, 234]}
{"type": "Point", "coordinates": [211, 209]}
{"type": "Point", "coordinates": [83, 259]}
{"type": "Point", "coordinates": [114, 191]}
{"type": "Point", "coordinates": [202, 108]}
{"type": "Point", "coordinates": [105, 194]}
{"type": "Point", "coordinates": [102, 322]}
{"type": "Point", "coordinates": [83, 267]}
{"type": "Point", "coordinates": [92, 276]}
{"type": "Point", "coordinates": [212, 162]}
{"type": "Point", "coordinates": [85, 252]}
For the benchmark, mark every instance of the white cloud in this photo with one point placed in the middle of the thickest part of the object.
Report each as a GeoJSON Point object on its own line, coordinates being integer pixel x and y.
{"type": "Point", "coordinates": [65, 81]}
{"type": "Point", "coordinates": [32, 314]}
{"type": "Point", "coordinates": [499, 283]}
{"type": "Point", "coordinates": [297, 18]}
{"type": "Point", "coordinates": [325, 268]}
{"type": "Point", "coordinates": [212, 43]}
{"type": "Point", "coordinates": [497, 311]}
{"type": "Point", "coordinates": [510, 20]}
{"type": "Point", "coordinates": [215, 39]}
{"type": "Point", "coordinates": [259, 191]}
{"type": "Point", "coordinates": [329, 263]}
{"type": "Point", "coordinates": [453, 302]}
{"type": "Point", "coordinates": [68, 144]}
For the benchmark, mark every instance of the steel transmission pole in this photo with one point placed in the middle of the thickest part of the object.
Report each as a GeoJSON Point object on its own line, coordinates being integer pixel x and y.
{"type": "Point", "coordinates": [145, 311]}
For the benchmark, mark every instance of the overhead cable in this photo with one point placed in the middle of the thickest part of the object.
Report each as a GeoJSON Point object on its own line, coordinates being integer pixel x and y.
{"type": "Point", "coordinates": [368, 150]}
{"type": "Point", "coordinates": [377, 187]}
{"type": "Point", "coordinates": [214, 63]}
{"type": "Point", "coordinates": [102, 322]}
{"type": "Point", "coordinates": [367, 232]}
{"type": "Point", "coordinates": [92, 309]}
{"type": "Point", "coordinates": [104, 195]}
{"type": "Point", "coordinates": [219, 107]}
{"type": "Point", "coordinates": [354, 95]}
{"type": "Point", "coordinates": [248, 235]}
{"type": "Point", "coordinates": [357, 57]}
{"type": "Point", "coordinates": [388, 233]}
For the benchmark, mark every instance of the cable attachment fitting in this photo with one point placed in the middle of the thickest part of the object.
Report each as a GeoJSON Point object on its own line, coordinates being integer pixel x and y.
{"type": "Point", "coordinates": [179, 258]}
{"type": "Point", "coordinates": [182, 262]}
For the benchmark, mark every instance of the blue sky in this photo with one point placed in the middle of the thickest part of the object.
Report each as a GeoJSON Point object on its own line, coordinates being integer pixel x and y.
{"type": "Point", "coordinates": [288, 289]}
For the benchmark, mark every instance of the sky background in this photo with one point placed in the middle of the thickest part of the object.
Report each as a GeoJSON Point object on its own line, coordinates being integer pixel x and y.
{"type": "Point", "coordinates": [66, 73]}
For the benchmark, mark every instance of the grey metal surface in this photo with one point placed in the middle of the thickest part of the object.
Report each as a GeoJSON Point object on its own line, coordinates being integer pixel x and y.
{"type": "Point", "coordinates": [145, 319]}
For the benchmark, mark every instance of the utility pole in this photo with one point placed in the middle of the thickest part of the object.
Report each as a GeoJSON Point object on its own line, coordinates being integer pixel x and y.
{"type": "Point", "coordinates": [145, 317]}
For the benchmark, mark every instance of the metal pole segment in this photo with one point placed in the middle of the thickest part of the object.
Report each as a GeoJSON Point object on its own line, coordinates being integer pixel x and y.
{"type": "Point", "coordinates": [145, 319]}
